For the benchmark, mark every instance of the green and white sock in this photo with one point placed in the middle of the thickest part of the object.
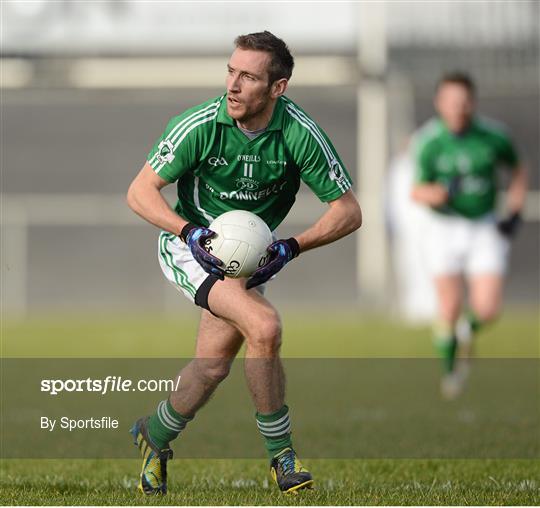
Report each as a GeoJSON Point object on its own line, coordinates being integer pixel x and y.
{"type": "Point", "coordinates": [276, 430]}
{"type": "Point", "coordinates": [474, 322]}
{"type": "Point", "coordinates": [165, 424]}
{"type": "Point", "coordinates": [445, 343]}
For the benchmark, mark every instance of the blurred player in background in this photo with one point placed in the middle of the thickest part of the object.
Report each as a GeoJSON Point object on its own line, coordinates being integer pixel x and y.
{"type": "Point", "coordinates": [406, 228]}
{"type": "Point", "coordinates": [247, 149]}
{"type": "Point", "coordinates": [457, 155]}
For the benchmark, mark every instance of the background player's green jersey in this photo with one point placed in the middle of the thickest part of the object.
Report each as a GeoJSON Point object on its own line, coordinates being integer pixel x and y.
{"type": "Point", "coordinates": [469, 159]}
{"type": "Point", "coordinates": [219, 169]}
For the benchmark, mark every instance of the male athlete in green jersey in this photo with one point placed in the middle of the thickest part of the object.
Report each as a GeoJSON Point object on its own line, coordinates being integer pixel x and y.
{"type": "Point", "coordinates": [457, 157]}
{"type": "Point", "coordinates": [247, 149]}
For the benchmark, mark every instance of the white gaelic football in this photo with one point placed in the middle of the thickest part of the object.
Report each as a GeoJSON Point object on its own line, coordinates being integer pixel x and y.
{"type": "Point", "coordinates": [241, 241]}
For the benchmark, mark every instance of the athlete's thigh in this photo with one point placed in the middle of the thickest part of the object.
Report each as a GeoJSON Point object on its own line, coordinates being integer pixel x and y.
{"type": "Point", "coordinates": [488, 250]}
{"type": "Point", "coordinates": [445, 244]}
{"type": "Point", "coordinates": [449, 290]}
{"type": "Point", "coordinates": [217, 338]}
{"type": "Point", "coordinates": [245, 310]}
{"type": "Point", "coordinates": [180, 267]}
{"type": "Point", "coordinates": [485, 294]}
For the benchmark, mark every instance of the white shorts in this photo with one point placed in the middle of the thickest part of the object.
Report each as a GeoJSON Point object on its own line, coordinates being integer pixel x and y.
{"type": "Point", "coordinates": [184, 272]}
{"type": "Point", "coordinates": [179, 265]}
{"type": "Point", "coordinates": [456, 245]}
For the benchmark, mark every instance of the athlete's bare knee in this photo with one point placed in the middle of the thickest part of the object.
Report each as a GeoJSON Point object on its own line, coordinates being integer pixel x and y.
{"type": "Point", "coordinates": [450, 312]}
{"type": "Point", "coordinates": [487, 313]}
{"type": "Point", "coordinates": [264, 337]}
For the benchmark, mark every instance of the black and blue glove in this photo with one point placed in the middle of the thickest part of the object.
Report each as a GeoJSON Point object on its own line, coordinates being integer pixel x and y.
{"type": "Point", "coordinates": [509, 227]}
{"type": "Point", "coordinates": [281, 252]}
{"type": "Point", "coordinates": [454, 187]}
{"type": "Point", "coordinates": [195, 237]}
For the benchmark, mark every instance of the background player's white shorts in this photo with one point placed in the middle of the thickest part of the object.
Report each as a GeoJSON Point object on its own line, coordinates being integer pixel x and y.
{"type": "Point", "coordinates": [180, 267]}
{"type": "Point", "coordinates": [457, 245]}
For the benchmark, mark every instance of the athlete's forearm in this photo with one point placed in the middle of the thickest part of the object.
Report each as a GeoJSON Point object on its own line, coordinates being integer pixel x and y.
{"type": "Point", "coordinates": [151, 206]}
{"type": "Point", "coordinates": [342, 218]}
{"type": "Point", "coordinates": [145, 199]}
{"type": "Point", "coordinates": [517, 190]}
{"type": "Point", "coordinates": [431, 194]}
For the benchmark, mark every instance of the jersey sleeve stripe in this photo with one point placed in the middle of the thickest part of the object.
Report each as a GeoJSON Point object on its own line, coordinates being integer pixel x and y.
{"type": "Point", "coordinates": [187, 128]}
{"type": "Point", "coordinates": [492, 125]}
{"type": "Point", "coordinates": [330, 153]}
{"type": "Point", "coordinates": [314, 129]}
{"type": "Point", "coordinates": [203, 113]}
{"type": "Point", "coordinates": [197, 114]}
{"type": "Point", "coordinates": [427, 132]}
{"type": "Point", "coordinates": [330, 158]}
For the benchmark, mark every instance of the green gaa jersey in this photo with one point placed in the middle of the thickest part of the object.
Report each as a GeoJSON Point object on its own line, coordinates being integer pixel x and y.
{"type": "Point", "coordinates": [218, 169]}
{"type": "Point", "coordinates": [469, 161]}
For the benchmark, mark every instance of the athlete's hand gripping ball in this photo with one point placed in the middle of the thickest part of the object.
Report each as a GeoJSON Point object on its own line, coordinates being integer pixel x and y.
{"type": "Point", "coordinates": [195, 238]}
{"type": "Point", "coordinates": [281, 252]}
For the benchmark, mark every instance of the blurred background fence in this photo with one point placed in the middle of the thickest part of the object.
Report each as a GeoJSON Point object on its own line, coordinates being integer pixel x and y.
{"type": "Point", "coordinates": [86, 88]}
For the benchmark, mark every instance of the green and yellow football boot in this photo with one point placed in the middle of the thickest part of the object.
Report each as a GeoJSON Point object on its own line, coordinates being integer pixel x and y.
{"type": "Point", "coordinates": [288, 472]}
{"type": "Point", "coordinates": [153, 478]}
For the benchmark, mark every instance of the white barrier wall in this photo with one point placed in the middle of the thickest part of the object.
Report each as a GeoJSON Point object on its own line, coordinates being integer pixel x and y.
{"type": "Point", "coordinates": [147, 27]}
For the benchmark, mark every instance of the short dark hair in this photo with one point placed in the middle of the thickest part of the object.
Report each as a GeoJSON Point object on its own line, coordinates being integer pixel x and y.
{"type": "Point", "coordinates": [459, 78]}
{"type": "Point", "coordinates": [281, 63]}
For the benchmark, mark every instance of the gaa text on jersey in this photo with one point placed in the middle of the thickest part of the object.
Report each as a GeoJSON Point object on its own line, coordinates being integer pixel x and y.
{"type": "Point", "coordinates": [217, 161]}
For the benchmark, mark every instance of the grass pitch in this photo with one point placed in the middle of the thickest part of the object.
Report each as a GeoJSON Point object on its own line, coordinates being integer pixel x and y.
{"type": "Point", "coordinates": [306, 335]}
{"type": "Point", "coordinates": [247, 482]}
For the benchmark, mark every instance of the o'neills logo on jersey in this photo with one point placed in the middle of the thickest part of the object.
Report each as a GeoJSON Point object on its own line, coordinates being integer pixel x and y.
{"type": "Point", "coordinates": [247, 195]}
{"type": "Point", "coordinates": [249, 158]}
{"type": "Point", "coordinates": [165, 151]}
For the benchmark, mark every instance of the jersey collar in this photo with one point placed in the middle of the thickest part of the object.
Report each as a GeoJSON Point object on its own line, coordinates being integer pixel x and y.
{"type": "Point", "coordinates": [276, 122]}
{"type": "Point", "coordinates": [468, 130]}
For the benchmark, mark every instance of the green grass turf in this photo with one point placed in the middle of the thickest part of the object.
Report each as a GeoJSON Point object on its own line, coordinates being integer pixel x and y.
{"type": "Point", "coordinates": [246, 482]}
{"type": "Point", "coordinates": [320, 335]}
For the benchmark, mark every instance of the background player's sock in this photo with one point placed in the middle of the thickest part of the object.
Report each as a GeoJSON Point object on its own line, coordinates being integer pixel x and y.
{"type": "Point", "coordinates": [466, 328]}
{"type": "Point", "coordinates": [474, 321]}
{"type": "Point", "coordinates": [445, 343]}
{"type": "Point", "coordinates": [276, 430]}
{"type": "Point", "coordinates": [165, 424]}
